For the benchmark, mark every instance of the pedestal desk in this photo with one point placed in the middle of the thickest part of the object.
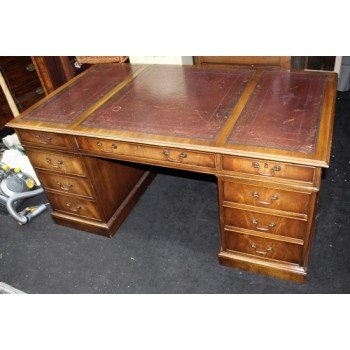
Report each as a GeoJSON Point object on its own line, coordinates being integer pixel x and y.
{"type": "Point", "coordinates": [265, 135]}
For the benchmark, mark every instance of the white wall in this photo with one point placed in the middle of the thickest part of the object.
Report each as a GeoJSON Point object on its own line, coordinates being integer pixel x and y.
{"type": "Point", "coordinates": [162, 59]}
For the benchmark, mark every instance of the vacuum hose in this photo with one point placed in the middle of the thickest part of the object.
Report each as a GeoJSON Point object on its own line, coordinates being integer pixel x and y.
{"type": "Point", "coordinates": [23, 219]}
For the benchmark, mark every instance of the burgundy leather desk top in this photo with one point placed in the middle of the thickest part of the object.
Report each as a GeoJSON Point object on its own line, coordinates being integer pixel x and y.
{"type": "Point", "coordinates": [173, 101]}
{"type": "Point", "coordinates": [73, 101]}
{"type": "Point", "coordinates": [207, 108]}
{"type": "Point", "coordinates": [283, 112]}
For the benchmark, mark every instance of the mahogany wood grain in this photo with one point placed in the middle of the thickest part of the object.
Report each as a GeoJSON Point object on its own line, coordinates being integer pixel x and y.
{"type": "Point", "coordinates": [65, 184]}
{"type": "Point", "coordinates": [186, 118]}
{"type": "Point", "coordinates": [49, 140]}
{"type": "Point", "coordinates": [74, 206]}
{"type": "Point", "coordinates": [267, 62]}
{"type": "Point", "coordinates": [270, 197]}
{"type": "Point", "coordinates": [112, 181]}
{"type": "Point", "coordinates": [264, 248]}
{"type": "Point", "coordinates": [174, 157]}
{"type": "Point", "coordinates": [54, 161]}
{"type": "Point", "coordinates": [262, 168]}
{"type": "Point", "coordinates": [265, 223]}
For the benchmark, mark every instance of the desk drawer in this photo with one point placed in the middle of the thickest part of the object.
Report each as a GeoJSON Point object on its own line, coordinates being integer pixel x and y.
{"type": "Point", "coordinates": [169, 155]}
{"type": "Point", "coordinates": [265, 223]}
{"type": "Point", "coordinates": [266, 197]}
{"type": "Point", "coordinates": [65, 184]}
{"type": "Point", "coordinates": [74, 206]}
{"type": "Point", "coordinates": [263, 247]}
{"type": "Point", "coordinates": [45, 139]}
{"type": "Point", "coordinates": [266, 169]}
{"type": "Point", "coordinates": [56, 161]}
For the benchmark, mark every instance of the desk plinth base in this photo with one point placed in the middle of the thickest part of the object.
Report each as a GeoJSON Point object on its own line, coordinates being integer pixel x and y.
{"type": "Point", "coordinates": [109, 228]}
{"type": "Point", "coordinates": [281, 270]}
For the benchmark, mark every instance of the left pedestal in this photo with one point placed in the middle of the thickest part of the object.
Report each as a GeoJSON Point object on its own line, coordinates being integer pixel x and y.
{"type": "Point", "coordinates": [87, 193]}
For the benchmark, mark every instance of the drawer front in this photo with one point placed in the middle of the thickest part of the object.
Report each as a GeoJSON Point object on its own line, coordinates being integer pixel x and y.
{"type": "Point", "coordinates": [265, 223]}
{"type": "Point", "coordinates": [266, 169]}
{"type": "Point", "coordinates": [266, 197]}
{"type": "Point", "coordinates": [45, 139]}
{"type": "Point", "coordinates": [169, 155]}
{"type": "Point", "coordinates": [56, 161]}
{"type": "Point", "coordinates": [264, 248]}
{"type": "Point", "coordinates": [74, 206]}
{"type": "Point", "coordinates": [65, 184]}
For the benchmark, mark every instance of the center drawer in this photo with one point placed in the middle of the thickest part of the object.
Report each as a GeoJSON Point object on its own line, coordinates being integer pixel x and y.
{"type": "Point", "coordinates": [169, 155]}
{"type": "Point", "coordinates": [265, 223]}
{"type": "Point", "coordinates": [56, 161]}
{"type": "Point", "coordinates": [266, 197]}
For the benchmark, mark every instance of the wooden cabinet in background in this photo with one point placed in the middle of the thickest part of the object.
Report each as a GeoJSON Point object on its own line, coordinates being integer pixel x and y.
{"type": "Point", "coordinates": [30, 78]}
{"type": "Point", "coordinates": [267, 62]}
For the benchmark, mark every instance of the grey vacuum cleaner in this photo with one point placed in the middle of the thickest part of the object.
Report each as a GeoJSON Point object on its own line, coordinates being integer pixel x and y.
{"type": "Point", "coordinates": [15, 186]}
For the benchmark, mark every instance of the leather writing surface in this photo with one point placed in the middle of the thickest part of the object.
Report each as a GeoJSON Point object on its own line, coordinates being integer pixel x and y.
{"type": "Point", "coordinates": [283, 112]}
{"type": "Point", "coordinates": [174, 101]}
{"type": "Point", "coordinates": [74, 100]}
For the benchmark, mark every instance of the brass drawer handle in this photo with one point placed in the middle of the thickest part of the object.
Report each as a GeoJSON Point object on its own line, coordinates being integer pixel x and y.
{"type": "Point", "coordinates": [58, 166]}
{"type": "Point", "coordinates": [261, 228]}
{"type": "Point", "coordinates": [70, 206]}
{"type": "Point", "coordinates": [42, 139]}
{"type": "Point", "coordinates": [68, 188]}
{"type": "Point", "coordinates": [39, 91]}
{"type": "Point", "coordinates": [181, 156]}
{"type": "Point", "coordinates": [257, 196]}
{"type": "Point", "coordinates": [261, 252]}
{"type": "Point", "coordinates": [267, 171]}
{"type": "Point", "coordinates": [30, 67]}
{"type": "Point", "coordinates": [113, 146]}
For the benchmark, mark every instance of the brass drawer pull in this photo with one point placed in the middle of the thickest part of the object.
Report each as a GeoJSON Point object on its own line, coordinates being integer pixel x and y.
{"type": "Point", "coordinates": [257, 196]}
{"type": "Point", "coordinates": [113, 146]}
{"type": "Point", "coordinates": [42, 139]}
{"type": "Point", "coordinates": [261, 252]}
{"type": "Point", "coordinates": [30, 67]}
{"type": "Point", "coordinates": [267, 172]}
{"type": "Point", "coordinates": [70, 206]}
{"type": "Point", "coordinates": [58, 166]}
{"type": "Point", "coordinates": [69, 186]}
{"type": "Point", "coordinates": [39, 91]}
{"type": "Point", "coordinates": [181, 156]}
{"type": "Point", "coordinates": [261, 228]}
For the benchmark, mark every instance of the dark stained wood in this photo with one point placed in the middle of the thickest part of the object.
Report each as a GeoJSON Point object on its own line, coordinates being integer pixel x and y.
{"type": "Point", "coordinates": [267, 192]}
{"type": "Point", "coordinates": [263, 169]}
{"type": "Point", "coordinates": [23, 83]}
{"type": "Point", "coordinates": [264, 223]}
{"type": "Point", "coordinates": [112, 181]}
{"type": "Point", "coordinates": [269, 196]}
{"type": "Point", "coordinates": [266, 62]}
{"type": "Point", "coordinates": [53, 71]}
